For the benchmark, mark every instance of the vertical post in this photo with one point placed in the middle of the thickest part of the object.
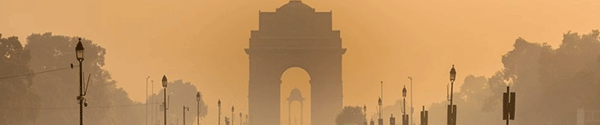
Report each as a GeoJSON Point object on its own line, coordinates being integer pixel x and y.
{"type": "Point", "coordinates": [183, 115]}
{"type": "Point", "coordinates": [79, 55]}
{"type": "Point", "coordinates": [451, 91]}
{"type": "Point", "coordinates": [232, 115]}
{"type": "Point", "coordinates": [404, 111]}
{"type": "Point", "coordinates": [411, 102]}
{"type": "Point", "coordinates": [198, 111]}
{"type": "Point", "coordinates": [289, 112]}
{"type": "Point", "coordinates": [380, 120]}
{"type": "Point", "coordinates": [219, 118]}
{"type": "Point", "coordinates": [80, 91]}
{"type": "Point", "coordinates": [165, 104]}
{"type": "Point", "coordinates": [452, 108]}
{"type": "Point", "coordinates": [147, 100]}
{"type": "Point", "coordinates": [153, 104]}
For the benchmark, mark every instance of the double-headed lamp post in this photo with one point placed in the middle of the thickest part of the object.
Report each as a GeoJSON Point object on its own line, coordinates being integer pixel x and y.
{"type": "Point", "coordinates": [79, 54]}
{"type": "Point", "coordinates": [198, 108]}
{"type": "Point", "coordinates": [164, 84]}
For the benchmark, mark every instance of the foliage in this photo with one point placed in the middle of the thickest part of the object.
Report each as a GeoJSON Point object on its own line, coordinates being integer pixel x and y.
{"type": "Point", "coordinates": [351, 115]}
{"type": "Point", "coordinates": [551, 84]}
{"type": "Point", "coordinates": [19, 99]}
{"type": "Point", "coordinates": [107, 103]}
{"type": "Point", "coordinates": [181, 94]}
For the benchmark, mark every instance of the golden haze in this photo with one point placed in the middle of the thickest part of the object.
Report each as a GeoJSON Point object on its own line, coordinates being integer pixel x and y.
{"type": "Point", "coordinates": [202, 41]}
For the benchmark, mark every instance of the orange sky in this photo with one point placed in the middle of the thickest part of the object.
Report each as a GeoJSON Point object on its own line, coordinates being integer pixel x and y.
{"type": "Point", "coordinates": [202, 41]}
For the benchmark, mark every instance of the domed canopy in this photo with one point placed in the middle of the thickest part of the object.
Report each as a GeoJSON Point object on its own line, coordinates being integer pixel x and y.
{"type": "Point", "coordinates": [295, 5]}
{"type": "Point", "coordinates": [295, 95]}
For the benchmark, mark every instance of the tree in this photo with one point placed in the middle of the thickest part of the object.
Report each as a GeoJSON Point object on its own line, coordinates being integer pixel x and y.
{"type": "Point", "coordinates": [180, 94]}
{"type": "Point", "coordinates": [470, 102]}
{"type": "Point", "coordinates": [107, 103]}
{"type": "Point", "coordinates": [568, 77]}
{"type": "Point", "coordinates": [19, 100]}
{"type": "Point", "coordinates": [551, 84]}
{"type": "Point", "coordinates": [351, 115]}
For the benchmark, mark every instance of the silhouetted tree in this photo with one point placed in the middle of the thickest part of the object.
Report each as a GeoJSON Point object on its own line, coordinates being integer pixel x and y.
{"type": "Point", "coordinates": [551, 84]}
{"type": "Point", "coordinates": [18, 100]}
{"type": "Point", "coordinates": [470, 102]}
{"type": "Point", "coordinates": [350, 115]}
{"type": "Point", "coordinates": [107, 103]}
{"type": "Point", "coordinates": [181, 94]}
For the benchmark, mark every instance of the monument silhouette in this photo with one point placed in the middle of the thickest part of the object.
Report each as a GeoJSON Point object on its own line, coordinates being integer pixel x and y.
{"type": "Point", "coordinates": [295, 35]}
{"type": "Point", "coordinates": [295, 95]}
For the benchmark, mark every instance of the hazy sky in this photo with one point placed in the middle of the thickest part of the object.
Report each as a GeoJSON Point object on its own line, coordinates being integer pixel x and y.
{"type": "Point", "coordinates": [203, 41]}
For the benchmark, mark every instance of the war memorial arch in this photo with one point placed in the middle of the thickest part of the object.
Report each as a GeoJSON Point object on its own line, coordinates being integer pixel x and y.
{"type": "Point", "coordinates": [295, 35]}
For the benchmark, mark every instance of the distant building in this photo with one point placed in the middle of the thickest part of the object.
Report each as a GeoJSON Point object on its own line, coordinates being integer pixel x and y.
{"type": "Point", "coordinates": [588, 117]}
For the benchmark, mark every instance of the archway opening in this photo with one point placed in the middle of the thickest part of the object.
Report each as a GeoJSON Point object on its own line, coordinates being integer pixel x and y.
{"type": "Point", "coordinates": [295, 113]}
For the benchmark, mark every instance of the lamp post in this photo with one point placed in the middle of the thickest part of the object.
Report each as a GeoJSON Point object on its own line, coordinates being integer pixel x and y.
{"type": "Point", "coordinates": [164, 84]}
{"type": "Point", "coordinates": [404, 115]}
{"type": "Point", "coordinates": [184, 109]}
{"type": "Point", "coordinates": [219, 105]}
{"type": "Point", "coordinates": [147, 99]}
{"type": "Point", "coordinates": [452, 107]}
{"type": "Point", "coordinates": [365, 113]}
{"type": "Point", "coordinates": [411, 101]}
{"type": "Point", "coordinates": [153, 104]}
{"type": "Point", "coordinates": [380, 121]}
{"type": "Point", "coordinates": [198, 108]}
{"type": "Point", "coordinates": [232, 115]}
{"type": "Point", "coordinates": [79, 54]}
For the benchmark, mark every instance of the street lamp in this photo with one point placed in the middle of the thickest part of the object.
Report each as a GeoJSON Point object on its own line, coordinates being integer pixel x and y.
{"type": "Point", "coordinates": [232, 115]}
{"type": "Point", "coordinates": [411, 100]}
{"type": "Point", "coordinates": [365, 113]}
{"type": "Point", "coordinates": [452, 79]}
{"type": "Point", "coordinates": [147, 100]}
{"type": "Point", "coordinates": [404, 116]}
{"type": "Point", "coordinates": [219, 105]}
{"type": "Point", "coordinates": [452, 108]}
{"type": "Point", "coordinates": [184, 109]}
{"type": "Point", "coordinates": [198, 108]}
{"type": "Point", "coordinates": [164, 84]}
{"type": "Point", "coordinates": [79, 54]}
